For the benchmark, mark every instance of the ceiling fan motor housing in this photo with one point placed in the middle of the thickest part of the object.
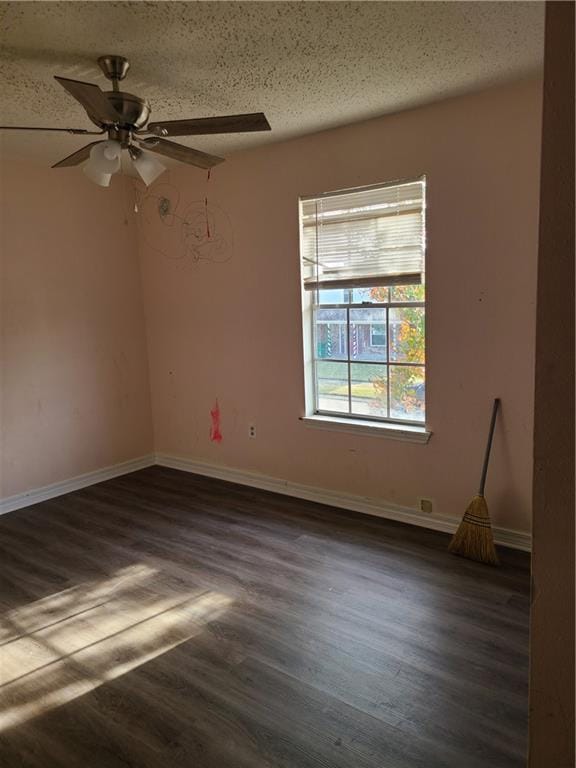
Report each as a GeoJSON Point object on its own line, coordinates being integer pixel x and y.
{"type": "Point", "coordinates": [133, 111]}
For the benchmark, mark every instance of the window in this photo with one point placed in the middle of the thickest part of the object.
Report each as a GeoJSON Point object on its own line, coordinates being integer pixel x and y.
{"type": "Point", "coordinates": [378, 335]}
{"type": "Point", "coordinates": [364, 302]}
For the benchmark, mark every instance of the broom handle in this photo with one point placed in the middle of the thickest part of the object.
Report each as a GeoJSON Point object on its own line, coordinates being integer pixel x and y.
{"type": "Point", "coordinates": [489, 445]}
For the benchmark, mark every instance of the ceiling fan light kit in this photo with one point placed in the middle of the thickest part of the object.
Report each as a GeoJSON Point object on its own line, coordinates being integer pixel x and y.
{"type": "Point", "coordinates": [125, 118]}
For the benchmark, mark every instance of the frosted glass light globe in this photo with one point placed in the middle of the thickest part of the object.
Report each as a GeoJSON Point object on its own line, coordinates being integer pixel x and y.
{"type": "Point", "coordinates": [105, 156]}
{"type": "Point", "coordinates": [148, 167]}
{"type": "Point", "coordinates": [112, 150]}
{"type": "Point", "coordinates": [102, 179]}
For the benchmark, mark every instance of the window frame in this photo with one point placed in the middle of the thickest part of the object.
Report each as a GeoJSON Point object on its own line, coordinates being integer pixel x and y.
{"type": "Point", "coordinates": [373, 424]}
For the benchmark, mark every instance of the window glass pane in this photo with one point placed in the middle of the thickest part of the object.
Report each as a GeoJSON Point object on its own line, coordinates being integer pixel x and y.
{"type": "Point", "coordinates": [331, 334]}
{"type": "Point", "coordinates": [374, 295]}
{"type": "Point", "coordinates": [407, 392]}
{"type": "Point", "coordinates": [368, 334]}
{"type": "Point", "coordinates": [332, 386]}
{"type": "Point", "coordinates": [406, 327]}
{"type": "Point", "coordinates": [332, 296]}
{"type": "Point", "coordinates": [369, 389]}
{"type": "Point", "coordinates": [407, 293]}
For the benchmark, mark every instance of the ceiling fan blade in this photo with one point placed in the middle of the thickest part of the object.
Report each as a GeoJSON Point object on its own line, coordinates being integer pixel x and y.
{"type": "Point", "coordinates": [204, 125]}
{"type": "Point", "coordinates": [77, 157]}
{"type": "Point", "coordinates": [183, 154]}
{"type": "Point", "coordinates": [92, 99]}
{"type": "Point", "coordinates": [35, 128]}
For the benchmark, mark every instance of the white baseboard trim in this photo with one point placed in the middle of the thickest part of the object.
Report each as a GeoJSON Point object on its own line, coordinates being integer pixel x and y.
{"type": "Point", "coordinates": [503, 536]}
{"type": "Point", "coordinates": [369, 506]}
{"type": "Point", "coordinates": [26, 499]}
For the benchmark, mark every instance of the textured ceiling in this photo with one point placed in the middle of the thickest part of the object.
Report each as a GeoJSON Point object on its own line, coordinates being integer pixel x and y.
{"type": "Point", "coordinates": [307, 65]}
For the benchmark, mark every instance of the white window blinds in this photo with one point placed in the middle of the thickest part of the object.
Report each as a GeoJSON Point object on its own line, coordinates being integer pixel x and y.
{"type": "Point", "coordinates": [370, 237]}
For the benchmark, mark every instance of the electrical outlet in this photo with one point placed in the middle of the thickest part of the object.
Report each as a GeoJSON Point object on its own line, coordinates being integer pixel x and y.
{"type": "Point", "coordinates": [252, 431]}
{"type": "Point", "coordinates": [426, 505]}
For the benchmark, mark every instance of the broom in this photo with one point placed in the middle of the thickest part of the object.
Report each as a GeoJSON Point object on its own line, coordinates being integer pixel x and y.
{"type": "Point", "coordinates": [474, 539]}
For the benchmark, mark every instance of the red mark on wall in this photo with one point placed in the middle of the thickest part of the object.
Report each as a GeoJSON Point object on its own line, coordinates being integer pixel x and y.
{"type": "Point", "coordinates": [206, 207]}
{"type": "Point", "coordinates": [215, 434]}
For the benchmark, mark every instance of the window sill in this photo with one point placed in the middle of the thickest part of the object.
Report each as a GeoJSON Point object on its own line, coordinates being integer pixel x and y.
{"type": "Point", "coordinates": [416, 434]}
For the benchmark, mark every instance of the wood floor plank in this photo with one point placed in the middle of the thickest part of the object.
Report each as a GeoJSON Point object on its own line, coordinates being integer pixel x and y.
{"type": "Point", "coordinates": [165, 619]}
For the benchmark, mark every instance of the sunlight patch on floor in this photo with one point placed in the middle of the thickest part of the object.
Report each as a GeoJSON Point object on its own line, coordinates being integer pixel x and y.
{"type": "Point", "coordinates": [65, 645]}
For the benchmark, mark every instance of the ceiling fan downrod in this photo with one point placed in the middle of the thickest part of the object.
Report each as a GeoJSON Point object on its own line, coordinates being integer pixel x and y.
{"type": "Point", "coordinates": [114, 67]}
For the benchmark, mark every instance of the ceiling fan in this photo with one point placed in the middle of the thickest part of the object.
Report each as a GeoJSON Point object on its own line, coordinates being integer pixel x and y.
{"type": "Point", "coordinates": [125, 118]}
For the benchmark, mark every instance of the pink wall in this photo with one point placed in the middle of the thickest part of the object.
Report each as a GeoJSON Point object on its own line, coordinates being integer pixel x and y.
{"type": "Point", "coordinates": [75, 391]}
{"type": "Point", "coordinates": [233, 331]}
{"type": "Point", "coordinates": [75, 394]}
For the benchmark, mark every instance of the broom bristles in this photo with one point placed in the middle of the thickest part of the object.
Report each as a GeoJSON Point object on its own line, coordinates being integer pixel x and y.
{"type": "Point", "coordinates": [474, 539]}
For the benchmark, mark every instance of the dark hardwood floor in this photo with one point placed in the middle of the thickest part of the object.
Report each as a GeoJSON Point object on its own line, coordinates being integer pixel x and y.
{"type": "Point", "coordinates": [164, 619]}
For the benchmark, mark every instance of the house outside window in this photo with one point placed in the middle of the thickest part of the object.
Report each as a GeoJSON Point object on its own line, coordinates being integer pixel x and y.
{"type": "Point", "coordinates": [364, 303]}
